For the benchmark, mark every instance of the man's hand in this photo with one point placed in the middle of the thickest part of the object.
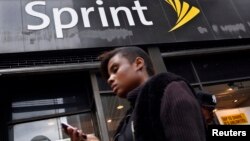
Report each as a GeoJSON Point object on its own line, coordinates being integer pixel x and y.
{"type": "Point", "coordinates": [78, 135]}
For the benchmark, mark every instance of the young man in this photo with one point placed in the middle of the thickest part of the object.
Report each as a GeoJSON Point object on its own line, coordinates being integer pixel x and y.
{"type": "Point", "coordinates": [163, 106]}
{"type": "Point", "coordinates": [208, 103]}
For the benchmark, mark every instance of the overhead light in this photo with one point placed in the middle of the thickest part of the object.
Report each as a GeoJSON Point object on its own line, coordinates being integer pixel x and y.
{"type": "Point", "coordinates": [233, 86]}
{"type": "Point", "coordinates": [51, 123]}
{"type": "Point", "coordinates": [109, 121]}
{"type": "Point", "coordinates": [120, 107]}
{"type": "Point", "coordinates": [235, 100]}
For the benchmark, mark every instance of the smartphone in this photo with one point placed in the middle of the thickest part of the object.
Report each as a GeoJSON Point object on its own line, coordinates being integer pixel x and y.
{"type": "Point", "coordinates": [66, 125]}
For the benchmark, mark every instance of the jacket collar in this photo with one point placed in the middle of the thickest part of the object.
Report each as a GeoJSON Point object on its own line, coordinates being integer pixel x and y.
{"type": "Point", "coordinates": [132, 95]}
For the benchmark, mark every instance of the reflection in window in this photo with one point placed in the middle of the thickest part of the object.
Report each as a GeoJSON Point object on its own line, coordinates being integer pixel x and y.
{"type": "Point", "coordinates": [114, 110]}
{"type": "Point", "coordinates": [231, 94]}
{"type": "Point", "coordinates": [40, 138]}
{"type": "Point", "coordinates": [47, 94]}
{"type": "Point", "coordinates": [36, 108]}
{"type": "Point", "coordinates": [39, 103]}
{"type": "Point", "coordinates": [50, 129]}
{"type": "Point", "coordinates": [22, 109]}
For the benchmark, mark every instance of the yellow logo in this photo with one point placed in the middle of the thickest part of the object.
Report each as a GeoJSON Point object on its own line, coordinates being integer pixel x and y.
{"type": "Point", "coordinates": [184, 12]}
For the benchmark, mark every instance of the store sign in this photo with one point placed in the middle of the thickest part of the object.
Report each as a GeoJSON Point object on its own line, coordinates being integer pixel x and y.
{"type": "Point", "coordinates": [85, 13]}
{"type": "Point", "coordinates": [233, 116]}
{"type": "Point", "coordinates": [39, 25]}
{"type": "Point", "coordinates": [234, 119]}
{"type": "Point", "coordinates": [182, 9]}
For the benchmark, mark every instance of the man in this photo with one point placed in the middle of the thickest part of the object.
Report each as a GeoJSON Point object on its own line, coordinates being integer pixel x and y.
{"type": "Point", "coordinates": [208, 103]}
{"type": "Point", "coordinates": [163, 106]}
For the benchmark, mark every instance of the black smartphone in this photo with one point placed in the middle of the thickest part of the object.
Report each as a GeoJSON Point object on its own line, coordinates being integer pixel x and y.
{"type": "Point", "coordinates": [66, 125]}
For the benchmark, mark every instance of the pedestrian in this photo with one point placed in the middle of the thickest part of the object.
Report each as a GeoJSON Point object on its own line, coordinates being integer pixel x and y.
{"type": "Point", "coordinates": [163, 106]}
{"type": "Point", "coordinates": [208, 104]}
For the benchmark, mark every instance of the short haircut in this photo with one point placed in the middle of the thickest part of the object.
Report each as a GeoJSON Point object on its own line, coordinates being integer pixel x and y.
{"type": "Point", "coordinates": [129, 53]}
{"type": "Point", "coordinates": [207, 100]}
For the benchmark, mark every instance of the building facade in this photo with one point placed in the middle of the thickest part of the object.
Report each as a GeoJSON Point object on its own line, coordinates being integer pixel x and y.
{"type": "Point", "coordinates": [49, 67]}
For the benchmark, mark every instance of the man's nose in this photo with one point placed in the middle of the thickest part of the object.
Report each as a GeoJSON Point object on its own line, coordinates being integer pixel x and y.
{"type": "Point", "coordinates": [111, 80]}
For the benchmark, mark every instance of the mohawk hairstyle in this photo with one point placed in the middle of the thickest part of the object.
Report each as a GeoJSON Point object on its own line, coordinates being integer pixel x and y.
{"type": "Point", "coordinates": [128, 52]}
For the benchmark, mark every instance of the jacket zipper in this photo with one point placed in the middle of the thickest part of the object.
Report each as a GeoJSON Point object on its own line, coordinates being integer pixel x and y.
{"type": "Point", "coordinates": [133, 130]}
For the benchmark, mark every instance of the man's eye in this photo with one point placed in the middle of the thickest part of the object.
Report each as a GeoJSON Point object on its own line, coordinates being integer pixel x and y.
{"type": "Point", "coordinates": [115, 69]}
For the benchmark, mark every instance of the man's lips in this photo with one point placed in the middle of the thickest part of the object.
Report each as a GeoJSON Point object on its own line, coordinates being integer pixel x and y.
{"type": "Point", "coordinates": [115, 88]}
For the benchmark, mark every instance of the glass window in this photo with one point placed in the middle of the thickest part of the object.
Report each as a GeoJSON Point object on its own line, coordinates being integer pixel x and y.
{"type": "Point", "coordinates": [47, 94]}
{"type": "Point", "coordinates": [233, 102]}
{"type": "Point", "coordinates": [42, 107]}
{"type": "Point", "coordinates": [231, 94]}
{"type": "Point", "coordinates": [39, 103]}
{"type": "Point", "coordinates": [50, 129]}
{"type": "Point", "coordinates": [114, 110]}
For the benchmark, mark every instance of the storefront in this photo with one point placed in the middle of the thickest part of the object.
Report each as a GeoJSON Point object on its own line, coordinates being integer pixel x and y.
{"type": "Point", "coordinates": [49, 58]}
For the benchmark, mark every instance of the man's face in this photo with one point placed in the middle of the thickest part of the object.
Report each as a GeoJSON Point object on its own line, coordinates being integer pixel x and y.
{"type": "Point", "coordinates": [208, 114]}
{"type": "Point", "coordinates": [123, 76]}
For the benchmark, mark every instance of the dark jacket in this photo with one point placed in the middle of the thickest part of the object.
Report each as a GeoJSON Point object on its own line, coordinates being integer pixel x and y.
{"type": "Point", "coordinates": [163, 109]}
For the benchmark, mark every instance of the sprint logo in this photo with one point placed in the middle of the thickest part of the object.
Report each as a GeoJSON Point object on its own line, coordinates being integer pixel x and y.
{"type": "Point", "coordinates": [184, 12]}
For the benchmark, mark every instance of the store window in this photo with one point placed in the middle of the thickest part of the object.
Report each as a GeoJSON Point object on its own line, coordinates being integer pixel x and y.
{"type": "Point", "coordinates": [224, 75]}
{"type": "Point", "coordinates": [50, 129]}
{"type": "Point", "coordinates": [233, 102]}
{"type": "Point", "coordinates": [114, 110]}
{"type": "Point", "coordinates": [39, 103]}
{"type": "Point", "coordinates": [232, 94]}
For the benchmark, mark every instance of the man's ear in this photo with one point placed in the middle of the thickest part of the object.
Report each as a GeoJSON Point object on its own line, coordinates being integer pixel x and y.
{"type": "Point", "coordinates": [139, 63]}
